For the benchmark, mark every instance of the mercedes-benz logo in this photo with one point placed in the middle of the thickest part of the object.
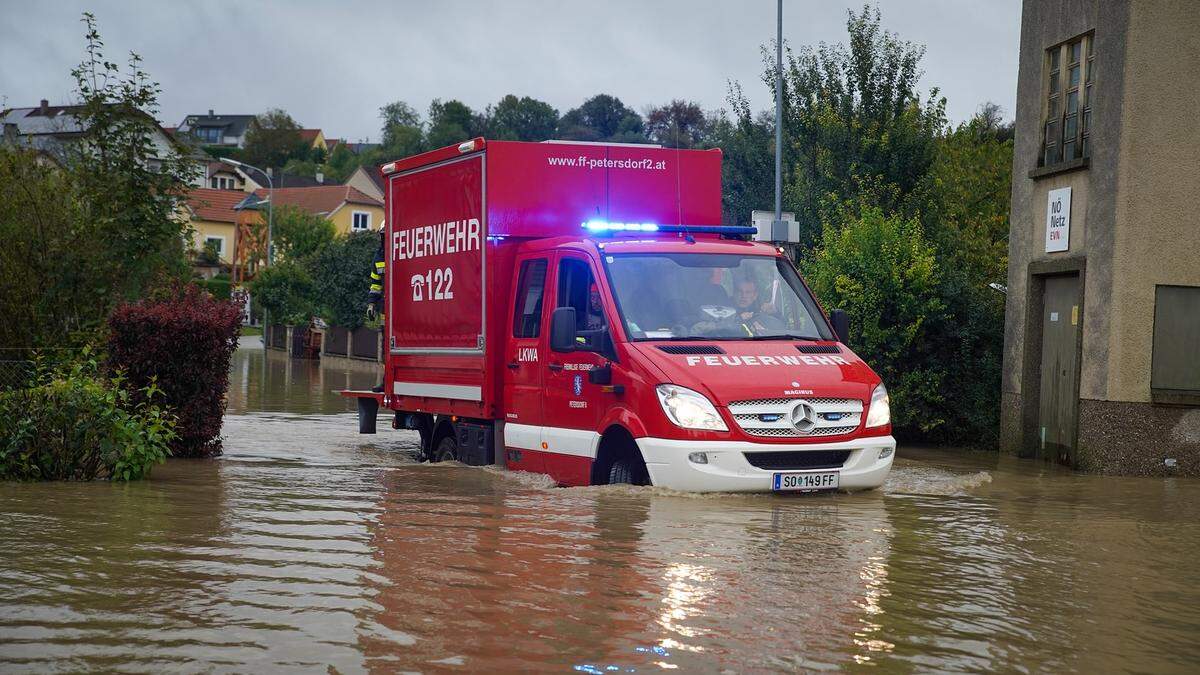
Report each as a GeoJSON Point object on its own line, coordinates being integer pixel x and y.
{"type": "Point", "coordinates": [804, 418]}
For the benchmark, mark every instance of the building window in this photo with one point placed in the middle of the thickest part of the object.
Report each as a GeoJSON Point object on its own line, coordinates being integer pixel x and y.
{"type": "Point", "coordinates": [531, 288]}
{"type": "Point", "coordinates": [221, 183]}
{"type": "Point", "coordinates": [216, 245]}
{"type": "Point", "coordinates": [1175, 363]}
{"type": "Point", "coordinates": [207, 134]}
{"type": "Point", "coordinates": [1070, 69]}
{"type": "Point", "coordinates": [361, 221]}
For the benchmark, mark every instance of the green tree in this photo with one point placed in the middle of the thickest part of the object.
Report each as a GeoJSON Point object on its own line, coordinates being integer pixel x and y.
{"type": "Point", "coordinates": [286, 290]}
{"type": "Point", "coordinates": [602, 118]}
{"type": "Point", "coordinates": [102, 228]}
{"type": "Point", "coordinates": [342, 163]}
{"type": "Point", "coordinates": [679, 124]}
{"type": "Point", "coordinates": [341, 275]}
{"type": "Point", "coordinates": [854, 124]}
{"type": "Point", "coordinates": [272, 139]}
{"type": "Point", "coordinates": [522, 119]}
{"type": "Point", "coordinates": [450, 122]}
{"type": "Point", "coordinates": [299, 235]}
{"type": "Point", "coordinates": [884, 272]}
{"type": "Point", "coordinates": [403, 131]}
{"type": "Point", "coordinates": [748, 167]}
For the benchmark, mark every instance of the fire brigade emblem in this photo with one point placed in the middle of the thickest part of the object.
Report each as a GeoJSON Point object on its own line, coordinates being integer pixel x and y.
{"type": "Point", "coordinates": [577, 385]}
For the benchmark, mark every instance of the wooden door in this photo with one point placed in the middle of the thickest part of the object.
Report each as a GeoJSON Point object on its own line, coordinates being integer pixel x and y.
{"type": "Point", "coordinates": [1059, 400]}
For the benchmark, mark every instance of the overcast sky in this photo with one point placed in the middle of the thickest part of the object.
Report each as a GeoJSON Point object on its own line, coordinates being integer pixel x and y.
{"type": "Point", "coordinates": [332, 64]}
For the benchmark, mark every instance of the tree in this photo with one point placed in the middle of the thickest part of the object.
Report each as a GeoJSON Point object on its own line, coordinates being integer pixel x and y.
{"type": "Point", "coordinates": [103, 226]}
{"type": "Point", "coordinates": [341, 275]}
{"type": "Point", "coordinates": [602, 118]}
{"type": "Point", "coordinates": [299, 235]}
{"type": "Point", "coordinates": [284, 289]}
{"type": "Point", "coordinates": [748, 168]}
{"type": "Point", "coordinates": [854, 124]}
{"type": "Point", "coordinates": [272, 139]}
{"type": "Point", "coordinates": [679, 124]}
{"type": "Point", "coordinates": [522, 119]}
{"type": "Point", "coordinates": [450, 122]}
{"type": "Point", "coordinates": [403, 131]}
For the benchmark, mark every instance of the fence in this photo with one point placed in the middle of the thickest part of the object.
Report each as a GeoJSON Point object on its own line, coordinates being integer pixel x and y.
{"type": "Point", "coordinates": [19, 365]}
{"type": "Point", "coordinates": [361, 343]}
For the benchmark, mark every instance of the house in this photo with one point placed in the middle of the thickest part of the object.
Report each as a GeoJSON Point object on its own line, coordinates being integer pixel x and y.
{"type": "Point", "coordinates": [53, 130]}
{"type": "Point", "coordinates": [214, 219]}
{"type": "Point", "coordinates": [212, 129]}
{"type": "Point", "coordinates": [348, 208]}
{"type": "Point", "coordinates": [367, 180]}
{"type": "Point", "coordinates": [1102, 330]}
{"type": "Point", "coordinates": [280, 179]}
{"type": "Point", "coordinates": [314, 139]}
{"type": "Point", "coordinates": [222, 176]}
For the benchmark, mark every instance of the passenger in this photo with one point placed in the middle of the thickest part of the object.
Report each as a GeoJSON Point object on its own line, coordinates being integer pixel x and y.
{"type": "Point", "coordinates": [710, 291]}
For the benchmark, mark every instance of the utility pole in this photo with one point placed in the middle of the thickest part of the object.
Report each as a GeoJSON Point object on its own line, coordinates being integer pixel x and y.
{"type": "Point", "coordinates": [779, 229]}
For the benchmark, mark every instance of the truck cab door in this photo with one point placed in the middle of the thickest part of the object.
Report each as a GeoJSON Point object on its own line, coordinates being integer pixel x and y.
{"type": "Point", "coordinates": [524, 361]}
{"type": "Point", "coordinates": [573, 406]}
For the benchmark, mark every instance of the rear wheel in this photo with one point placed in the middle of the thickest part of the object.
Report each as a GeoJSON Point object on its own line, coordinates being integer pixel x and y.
{"type": "Point", "coordinates": [446, 450]}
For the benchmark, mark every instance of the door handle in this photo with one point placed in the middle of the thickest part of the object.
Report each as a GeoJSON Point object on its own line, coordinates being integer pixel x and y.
{"type": "Point", "coordinates": [513, 365]}
{"type": "Point", "coordinates": [556, 367]}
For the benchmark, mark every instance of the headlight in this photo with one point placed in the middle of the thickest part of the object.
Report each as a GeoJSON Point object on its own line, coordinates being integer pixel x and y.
{"type": "Point", "coordinates": [689, 409]}
{"type": "Point", "coordinates": [879, 412]}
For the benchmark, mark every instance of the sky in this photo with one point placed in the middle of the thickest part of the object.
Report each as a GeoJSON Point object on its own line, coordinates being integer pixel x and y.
{"type": "Point", "coordinates": [332, 64]}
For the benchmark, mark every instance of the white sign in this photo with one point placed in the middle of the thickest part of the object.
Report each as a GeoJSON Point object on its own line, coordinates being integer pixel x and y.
{"type": "Point", "coordinates": [763, 220]}
{"type": "Point", "coordinates": [1058, 220]}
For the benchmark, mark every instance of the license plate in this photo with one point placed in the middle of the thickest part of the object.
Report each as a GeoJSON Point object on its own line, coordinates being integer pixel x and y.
{"type": "Point", "coordinates": [805, 482]}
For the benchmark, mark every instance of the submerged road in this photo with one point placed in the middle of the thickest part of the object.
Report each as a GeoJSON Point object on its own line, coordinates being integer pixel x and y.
{"type": "Point", "coordinates": [308, 547]}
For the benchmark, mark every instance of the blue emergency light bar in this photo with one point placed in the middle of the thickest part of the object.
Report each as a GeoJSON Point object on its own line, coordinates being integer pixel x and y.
{"type": "Point", "coordinates": [603, 226]}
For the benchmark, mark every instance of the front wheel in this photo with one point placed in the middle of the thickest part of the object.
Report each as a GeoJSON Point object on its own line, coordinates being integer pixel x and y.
{"type": "Point", "coordinates": [625, 472]}
{"type": "Point", "coordinates": [446, 451]}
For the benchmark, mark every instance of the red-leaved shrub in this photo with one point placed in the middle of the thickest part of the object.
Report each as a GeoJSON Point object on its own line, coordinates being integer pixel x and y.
{"type": "Point", "coordinates": [185, 339]}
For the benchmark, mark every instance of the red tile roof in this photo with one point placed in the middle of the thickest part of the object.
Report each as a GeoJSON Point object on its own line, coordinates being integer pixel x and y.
{"type": "Point", "coordinates": [323, 199]}
{"type": "Point", "coordinates": [309, 135]}
{"type": "Point", "coordinates": [214, 205]}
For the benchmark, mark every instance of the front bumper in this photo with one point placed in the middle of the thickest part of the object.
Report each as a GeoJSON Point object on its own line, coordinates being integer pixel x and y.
{"type": "Point", "coordinates": [728, 471]}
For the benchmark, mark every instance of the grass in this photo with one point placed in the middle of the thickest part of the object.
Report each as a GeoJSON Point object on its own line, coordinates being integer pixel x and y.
{"type": "Point", "coordinates": [251, 330]}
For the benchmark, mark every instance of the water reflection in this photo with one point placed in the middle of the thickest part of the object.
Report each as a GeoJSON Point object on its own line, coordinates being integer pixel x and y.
{"type": "Point", "coordinates": [309, 547]}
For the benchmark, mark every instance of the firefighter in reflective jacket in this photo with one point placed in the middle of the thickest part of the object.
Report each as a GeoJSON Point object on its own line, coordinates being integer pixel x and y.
{"type": "Point", "coordinates": [378, 272]}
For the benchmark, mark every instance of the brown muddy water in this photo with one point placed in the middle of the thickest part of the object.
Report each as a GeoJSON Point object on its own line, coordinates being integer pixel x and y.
{"type": "Point", "coordinates": [310, 548]}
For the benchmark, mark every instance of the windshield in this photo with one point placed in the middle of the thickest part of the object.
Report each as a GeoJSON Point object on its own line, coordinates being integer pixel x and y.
{"type": "Point", "coordinates": [681, 296]}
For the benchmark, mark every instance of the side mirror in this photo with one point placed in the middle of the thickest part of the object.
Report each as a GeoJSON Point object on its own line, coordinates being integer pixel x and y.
{"type": "Point", "coordinates": [601, 375]}
{"type": "Point", "coordinates": [562, 329]}
{"type": "Point", "coordinates": [841, 325]}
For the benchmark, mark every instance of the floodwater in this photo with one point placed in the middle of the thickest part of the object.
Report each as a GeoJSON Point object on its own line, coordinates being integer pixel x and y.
{"type": "Point", "coordinates": [310, 548]}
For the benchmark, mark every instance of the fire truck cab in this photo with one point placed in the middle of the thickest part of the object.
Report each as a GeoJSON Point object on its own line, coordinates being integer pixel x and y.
{"type": "Point", "coordinates": [578, 310]}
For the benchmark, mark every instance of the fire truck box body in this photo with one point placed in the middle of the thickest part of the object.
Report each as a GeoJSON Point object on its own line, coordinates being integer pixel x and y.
{"type": "Point", "coordinates": [492, 246]}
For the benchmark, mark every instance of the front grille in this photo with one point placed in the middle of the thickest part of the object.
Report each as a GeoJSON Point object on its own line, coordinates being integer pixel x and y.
{"type": "Point", "coordinates": [773, 417]}
{"type": "Point", "coordinates": [818, 349]}
{"type": "Point", "coordinates": [691, 349]}
{"type": "Point", "coordinates": [798, 459]}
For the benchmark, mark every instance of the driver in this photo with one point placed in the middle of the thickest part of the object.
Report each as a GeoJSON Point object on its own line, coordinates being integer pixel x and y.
{"type": "Point", "coordinates": [756, 317]}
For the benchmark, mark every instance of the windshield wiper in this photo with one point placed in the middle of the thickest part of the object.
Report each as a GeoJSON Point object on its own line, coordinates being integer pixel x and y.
{"type": "Point", "coordinates": [786, 336]}
{"type": "Point", "coordinates": [682, 338]}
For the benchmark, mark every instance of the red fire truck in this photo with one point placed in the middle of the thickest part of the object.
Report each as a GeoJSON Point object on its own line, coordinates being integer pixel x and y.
{"type": "Point", "coordinates": [578, 310]}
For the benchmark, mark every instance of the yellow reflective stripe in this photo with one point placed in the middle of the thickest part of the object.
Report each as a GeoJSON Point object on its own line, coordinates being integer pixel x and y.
{"type": "Point", "coordinates": [375, 277]}
{"type": "Point", "coordinates": [376, 288]}
{"type": "Point", "coordinates": [380, 265]}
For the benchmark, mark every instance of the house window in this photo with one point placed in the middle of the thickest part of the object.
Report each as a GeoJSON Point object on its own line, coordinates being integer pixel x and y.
{"type": "Point", "coordinates": [1070, 72]}
{"type": "Point", "coordinates": [207, 134]}
{"type": "Point", "coordinates": [221, 183]}
{"type": "Point", "coordinates": [1175, 363]}
{"type": "Point", "coordinates": [531, 288]}
{"type": "Point", "coordinates": [216, 244]}
{"type": "Point", "coordinates": [361, 221]}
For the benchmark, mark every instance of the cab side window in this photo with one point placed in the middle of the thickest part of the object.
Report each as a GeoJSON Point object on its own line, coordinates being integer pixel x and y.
{"type": "Point", "coordinates": [577, 288]}
{"type": "Point", "coordinates": [531, 288]}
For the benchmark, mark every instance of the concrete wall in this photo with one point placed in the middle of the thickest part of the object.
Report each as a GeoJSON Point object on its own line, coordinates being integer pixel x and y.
{"type": "Point", "coordinates": [210, 228]}
{"type": "Point", "coordinates": [343, 218]}
{"type": "Point", "coordinates": [1158, 226]}
{"type": "Point", "coordinates": [1133, 225]}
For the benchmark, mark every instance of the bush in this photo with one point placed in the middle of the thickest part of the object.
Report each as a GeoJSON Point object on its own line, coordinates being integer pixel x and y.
{"type": "Point", "coordinates": [882, 271]}
{"type": "Point", "coordinates": [74, 425]}
{"type": "Point", "coordinates": [219, 286]}
{"type": "Point", "coordinates": [184, 341]}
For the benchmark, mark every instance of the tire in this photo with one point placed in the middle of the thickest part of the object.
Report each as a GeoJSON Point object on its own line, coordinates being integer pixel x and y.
{"type": "Point", "coordinates": [446, 451]}
{"type": "Point", "coordinates": [624, 472]}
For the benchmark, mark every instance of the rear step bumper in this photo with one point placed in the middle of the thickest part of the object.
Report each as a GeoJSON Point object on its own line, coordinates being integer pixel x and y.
{"type": "Point", "coordinates": [728, 470]}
